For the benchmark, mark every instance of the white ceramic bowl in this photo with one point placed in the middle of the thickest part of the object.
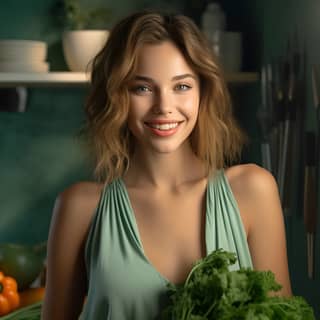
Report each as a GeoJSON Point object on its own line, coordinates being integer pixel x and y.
{"type": "Point", "coordinates": [80, 47]}
{"type": "Point", "coordinates": [23, 50]}
{"type": "Point", "coordinates": [6, 66]}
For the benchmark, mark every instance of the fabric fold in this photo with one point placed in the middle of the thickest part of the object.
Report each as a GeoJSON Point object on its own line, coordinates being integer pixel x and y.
{"type": "Point", "coordinates": [123, 284]}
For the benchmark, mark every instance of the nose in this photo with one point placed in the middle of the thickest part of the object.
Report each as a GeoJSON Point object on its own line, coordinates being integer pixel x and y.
{"type": "Point", "coordinates": [163, 102]}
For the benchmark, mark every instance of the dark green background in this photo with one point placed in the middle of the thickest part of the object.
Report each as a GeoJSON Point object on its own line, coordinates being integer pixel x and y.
{"type": "Point", "coordinates": [40, 153]}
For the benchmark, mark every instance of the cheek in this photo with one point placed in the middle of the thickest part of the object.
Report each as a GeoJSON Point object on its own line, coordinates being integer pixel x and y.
{"type": "Point", "coordinates": [133, 120]}
{"type": "Point", "coordinates": [133, 126]}
{"type": "Point", "coordinates": [137, 112]}
{"type": "Point", "coordinates": [191, 106]}
{"type": "Point", "coordinates": [134, 109]}
{"type": "Point", "coordinates": [139, 105]}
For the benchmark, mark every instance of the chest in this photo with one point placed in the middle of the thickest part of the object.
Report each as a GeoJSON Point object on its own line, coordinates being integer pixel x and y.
{"type": "Point", "coordinates": [171, 228]}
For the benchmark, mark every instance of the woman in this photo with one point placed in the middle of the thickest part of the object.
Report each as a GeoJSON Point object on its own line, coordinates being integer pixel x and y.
{"type": "Point", "coordinates": [164, 137]}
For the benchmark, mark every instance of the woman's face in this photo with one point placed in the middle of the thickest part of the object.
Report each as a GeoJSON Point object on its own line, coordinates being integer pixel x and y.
{"type": "Point", "coordinates": [164, 99]}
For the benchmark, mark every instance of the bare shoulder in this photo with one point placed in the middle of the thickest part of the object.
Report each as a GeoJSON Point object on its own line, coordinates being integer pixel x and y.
{"type": "Point", "coordinates": [79, 200]}
{"type": "Point", "coordinates": [72, 215]}
{"type": "Point", "coordinates": [251, 181]}
{"type": "Point", "coordinates": [81, 194]}
{"type": "Point", "coordinates": [76, 205]}
{"type": "Point", "coordinates": [256, 193]}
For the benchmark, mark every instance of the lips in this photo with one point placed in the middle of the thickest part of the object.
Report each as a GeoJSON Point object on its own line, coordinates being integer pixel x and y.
{"type": "Point", "coordinates": [163, 124]}
{"type": "Point", "coordinates": [163, 127]}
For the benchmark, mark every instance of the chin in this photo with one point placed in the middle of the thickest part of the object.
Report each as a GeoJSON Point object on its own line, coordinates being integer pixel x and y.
{"type": "Point", "coordinates": [169, 148]}
{"type": "Point", "coordinates": [164, 151]}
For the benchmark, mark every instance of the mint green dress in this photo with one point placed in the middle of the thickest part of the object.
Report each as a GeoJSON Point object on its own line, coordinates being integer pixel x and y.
{"type": "Point", "coordinates": [122, 283]}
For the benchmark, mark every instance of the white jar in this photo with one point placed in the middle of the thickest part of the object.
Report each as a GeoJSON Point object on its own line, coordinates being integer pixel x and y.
{"type": "Point", "coordinates": [213, 22]}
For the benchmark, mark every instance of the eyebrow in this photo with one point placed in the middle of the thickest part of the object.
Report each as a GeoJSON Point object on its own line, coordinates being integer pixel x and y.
{"type": "Point", "coordinates": [175, 78]}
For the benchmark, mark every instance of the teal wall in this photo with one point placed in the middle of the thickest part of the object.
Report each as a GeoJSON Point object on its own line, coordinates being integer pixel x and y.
{"type": "Point", "coordinates": [40, 153]}
{"type": "Point", "coordinates": [280, 20]}
{"type": "Point", "coordinates": [39, 150]}
{"type": "Point", "coordinates": [267, 26]}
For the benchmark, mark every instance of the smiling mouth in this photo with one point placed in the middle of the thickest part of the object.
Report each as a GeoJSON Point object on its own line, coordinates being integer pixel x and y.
{"type": "Point", "coordinates": [163, 126]}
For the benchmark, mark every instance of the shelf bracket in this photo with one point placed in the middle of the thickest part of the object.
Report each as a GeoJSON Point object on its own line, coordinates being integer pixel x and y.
{"type": "Point", "coordinates": [13, 99]}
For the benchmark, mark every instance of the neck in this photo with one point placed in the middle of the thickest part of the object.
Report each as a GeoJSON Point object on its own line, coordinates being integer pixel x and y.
{"type": "Point", "coordinates": [164, 170]}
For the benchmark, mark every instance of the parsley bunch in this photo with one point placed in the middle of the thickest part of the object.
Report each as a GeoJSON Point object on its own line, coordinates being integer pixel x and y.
{"type": "Point", "coordinates": [212, 292]}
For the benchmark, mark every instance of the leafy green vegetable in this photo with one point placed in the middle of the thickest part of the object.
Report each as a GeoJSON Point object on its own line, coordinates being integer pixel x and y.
{"type": "Point", "coordinates": [31, 312]}
{"type": "Point", "coordinates": [212, 292]}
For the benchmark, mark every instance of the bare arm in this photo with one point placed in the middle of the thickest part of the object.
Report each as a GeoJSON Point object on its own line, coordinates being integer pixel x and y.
{"type": "Point", "coordinates": [262, 214]}
{"type": "Point", "coordinates": [66, 276]}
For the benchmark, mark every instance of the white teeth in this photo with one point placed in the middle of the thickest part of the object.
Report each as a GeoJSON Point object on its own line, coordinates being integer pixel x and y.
{"type": "Point", "coordinates": [166, 126]}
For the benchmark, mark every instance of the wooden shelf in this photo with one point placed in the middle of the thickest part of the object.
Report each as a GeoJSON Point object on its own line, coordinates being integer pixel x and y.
{"type": "Point", "coordinates": [78, 79]}
{"type": "Point", "coordinates": [242, 77]}
{"type": "Point", "coordinates": [50, 79]}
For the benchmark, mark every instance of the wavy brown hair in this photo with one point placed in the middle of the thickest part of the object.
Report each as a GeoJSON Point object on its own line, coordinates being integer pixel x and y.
{"type": "Point", "coordinates": [216, 138]}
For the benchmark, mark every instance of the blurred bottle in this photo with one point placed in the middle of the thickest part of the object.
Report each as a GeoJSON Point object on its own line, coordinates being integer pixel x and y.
{"type": "Point", "coordinates": [213, 23]}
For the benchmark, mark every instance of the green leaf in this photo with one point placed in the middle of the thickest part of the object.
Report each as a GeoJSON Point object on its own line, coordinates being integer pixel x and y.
{"type": "Point", "coordinates": [213, 292]}
{"type": "Point", "coordinates": [80, 16]}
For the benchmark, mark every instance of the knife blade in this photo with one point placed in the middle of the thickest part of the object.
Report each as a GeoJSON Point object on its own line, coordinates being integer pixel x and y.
{"type": "Point", "coordinates": [310, 199]}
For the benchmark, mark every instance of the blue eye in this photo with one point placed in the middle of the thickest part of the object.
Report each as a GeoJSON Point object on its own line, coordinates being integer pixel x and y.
{"type": "Point", "coordinates": [182, 87]}
{"type": "Point", "coordinates": [140, 89]}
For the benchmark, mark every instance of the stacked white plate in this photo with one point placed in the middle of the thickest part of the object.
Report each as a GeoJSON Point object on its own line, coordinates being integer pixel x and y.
{"type": "Point", "coordinates": [23, 56]}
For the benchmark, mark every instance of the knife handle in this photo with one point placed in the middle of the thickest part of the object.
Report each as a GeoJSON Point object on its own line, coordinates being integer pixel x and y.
{"type": "Point", "coordinates": [310, 197]}
{"type": "Point", "coordinates": [311, 254]}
